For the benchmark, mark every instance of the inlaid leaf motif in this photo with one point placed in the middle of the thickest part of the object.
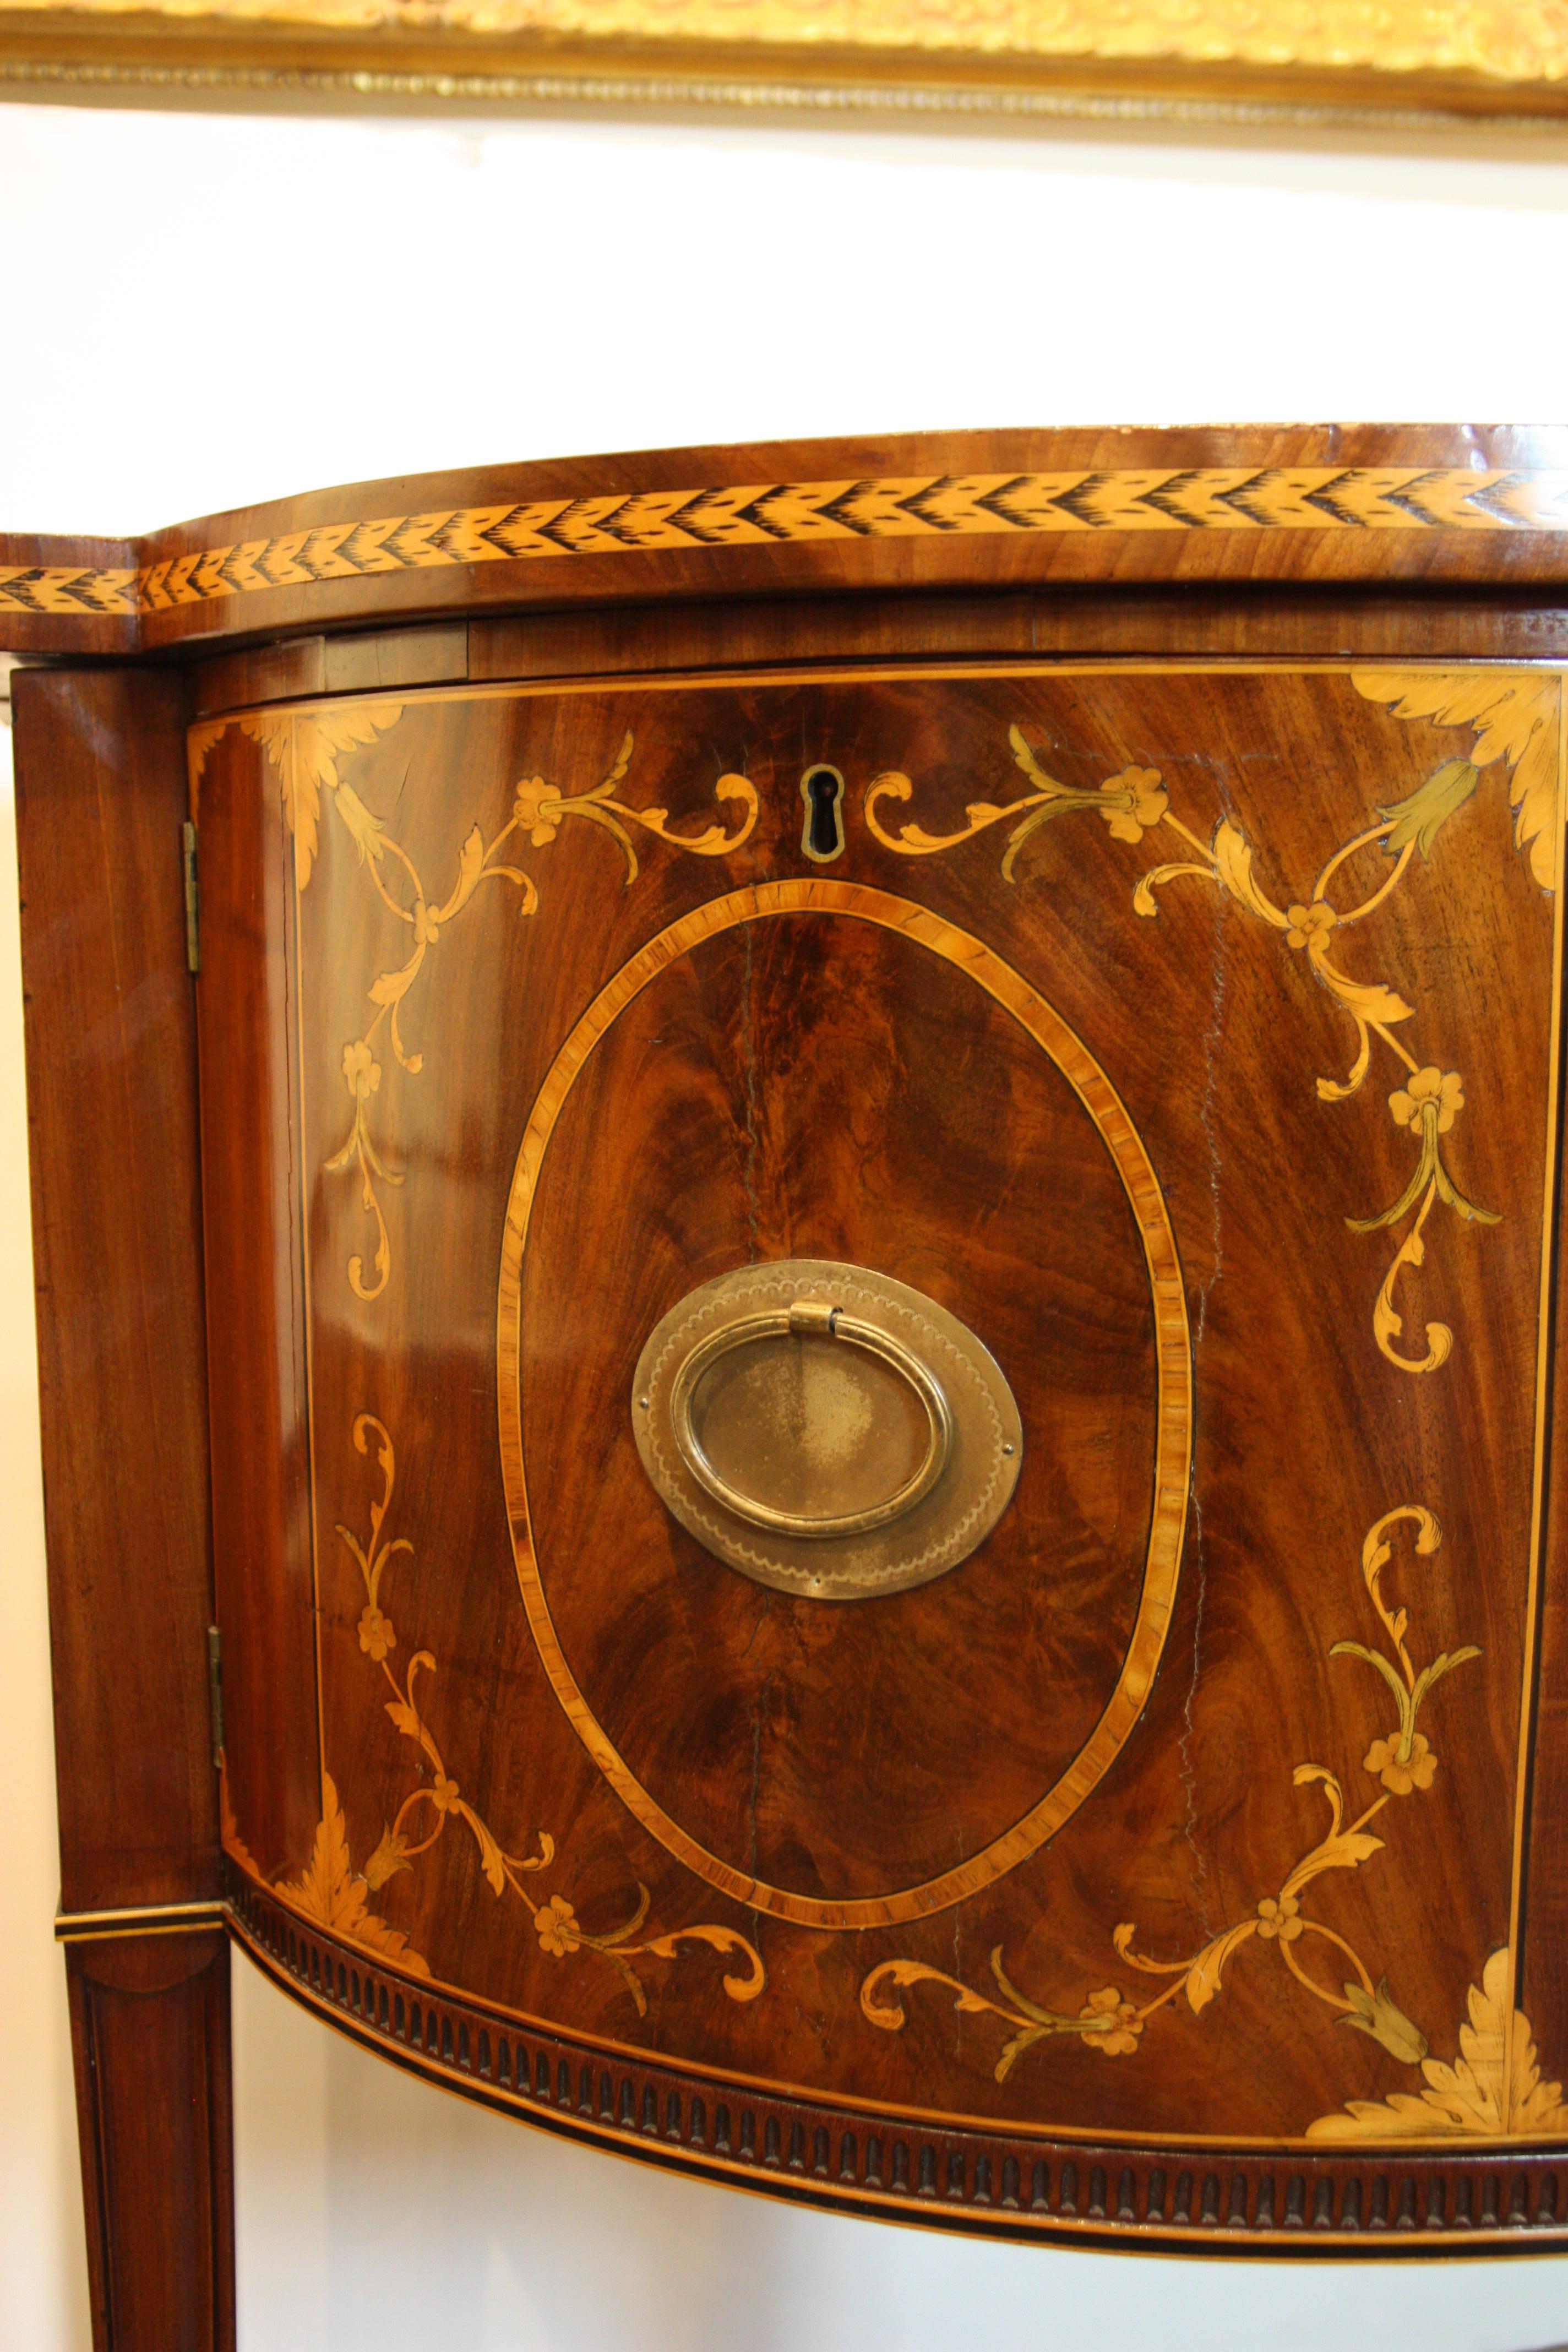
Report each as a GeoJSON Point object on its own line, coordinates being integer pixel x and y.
{"type": "Point", "coordinates": [1232, 854]}
{"type": "Point", "coordinates": [1368, 999]}
{"type": "Point", "coordinates": [233, 1843]}
{"type": "Point", "coordinates": [725, 1940]}
{"type": "Point", "coordinates": [1422, 815]}
{"type": "Point", "coordinates": [331, 1893]}
{"type": "Point", "coordinates": [393, 986]}
{"type": "Point", "coordinates": [390, 1856]}
{"type": "Point", "coordinates": [899, 1975]}
{"type": "Point", "coordinates": [1514, 715]}
{"type": "Point", "coordinates": [321, 737]}
{"type": "Point", "coordinates": [305, 747]}
{"type": "Point", "coordinates": [470, 866]}
{"type": "Point", "coordinates": [491, 1859]}
{"type": "Point", "coordinates": [1376, 2013]}
{"type": "Point", "coordinates": [199, 741]}
{"type": "Point", "coordinates": [1492, 2088]}
{"type": "Point", "coordinates": [1203, 1976]}
{"type": "Point", "coordinates": [363, 828]}
{"type": "Point", "coordinates": [1342, 1849]}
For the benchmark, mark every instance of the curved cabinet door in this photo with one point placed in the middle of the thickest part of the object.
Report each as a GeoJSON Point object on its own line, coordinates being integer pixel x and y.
{"type": "Point", "coordinates": [648, 1132]}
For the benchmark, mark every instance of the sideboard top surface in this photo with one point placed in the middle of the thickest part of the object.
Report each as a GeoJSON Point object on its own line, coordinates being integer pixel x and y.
{"type": "Point", "coordinates": [1320, 505]}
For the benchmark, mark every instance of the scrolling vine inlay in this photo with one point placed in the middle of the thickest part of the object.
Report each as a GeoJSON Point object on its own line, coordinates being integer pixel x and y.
{"type": "Point", "coordinates": [1402, 1762]}
{"type": "Point", "coordinates": [1515, 719]}
{"type": "Point", "coordinates": [331, 1893]}
{"type": "Point", "coordinates": [306, 747]}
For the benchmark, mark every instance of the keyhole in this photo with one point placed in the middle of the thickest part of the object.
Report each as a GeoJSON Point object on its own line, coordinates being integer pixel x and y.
{"type": "Point", "coordinates": [822, 835]}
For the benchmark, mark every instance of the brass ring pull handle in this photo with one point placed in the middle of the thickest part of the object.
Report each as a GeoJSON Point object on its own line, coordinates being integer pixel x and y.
{"type": "Point", "coordinates": [806, 1318]}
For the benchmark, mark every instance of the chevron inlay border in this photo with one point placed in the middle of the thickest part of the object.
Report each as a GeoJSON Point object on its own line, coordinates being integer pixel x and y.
{"type": "Point", "coordinates": [57, 588]}
{"type": "Point", "coordinates": [1159, 499]}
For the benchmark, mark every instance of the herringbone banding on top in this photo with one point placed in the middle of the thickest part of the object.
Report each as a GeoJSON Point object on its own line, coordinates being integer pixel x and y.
{"type": "Point", "coordinates": [1324, 498]}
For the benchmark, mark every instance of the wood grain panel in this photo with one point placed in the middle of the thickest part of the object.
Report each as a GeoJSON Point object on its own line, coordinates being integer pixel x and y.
{"type": "Point", "coordinates": [628, 640]}
{"type": "Point", "coordinates": [255, 1286]}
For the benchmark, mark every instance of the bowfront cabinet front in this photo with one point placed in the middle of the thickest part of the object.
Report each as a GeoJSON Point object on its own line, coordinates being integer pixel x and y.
{"type": "Point", "coordinates": [879, 1276]}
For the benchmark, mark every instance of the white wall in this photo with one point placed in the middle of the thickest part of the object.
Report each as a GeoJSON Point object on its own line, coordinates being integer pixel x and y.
{"type": "Point", "coordinates": [200, 312]}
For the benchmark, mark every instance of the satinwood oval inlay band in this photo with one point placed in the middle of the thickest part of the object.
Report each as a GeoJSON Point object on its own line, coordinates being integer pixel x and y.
{"type": "Point", "coordinates": [1172, 1461]}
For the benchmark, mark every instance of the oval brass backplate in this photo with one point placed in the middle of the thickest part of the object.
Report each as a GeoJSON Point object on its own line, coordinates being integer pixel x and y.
{"type": "Point", "coordinates": [824, 1429]}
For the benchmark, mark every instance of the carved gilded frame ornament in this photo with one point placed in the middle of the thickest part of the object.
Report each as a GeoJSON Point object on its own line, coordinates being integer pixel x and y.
{"type": "Point", "coordinates": [1226, 61]}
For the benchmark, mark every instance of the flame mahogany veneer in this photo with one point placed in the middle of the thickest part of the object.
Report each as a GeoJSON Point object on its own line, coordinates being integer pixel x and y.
{"type": "Point", "coordinates": [1172, 993]}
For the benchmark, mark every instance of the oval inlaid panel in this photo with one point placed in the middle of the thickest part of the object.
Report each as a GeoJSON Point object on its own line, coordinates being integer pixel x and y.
{"type": "Point", "coordinates": [813, 1070]}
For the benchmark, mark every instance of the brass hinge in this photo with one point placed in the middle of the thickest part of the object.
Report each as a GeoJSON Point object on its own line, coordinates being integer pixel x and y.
{"type": "Point", "coordinates": [192, 898]}
{"type": "Point", "coordinates": [215, 1691]}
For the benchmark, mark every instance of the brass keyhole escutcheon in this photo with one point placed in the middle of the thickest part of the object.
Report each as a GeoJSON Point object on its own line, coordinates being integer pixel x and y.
{"type": "Point", "coordinates": [822, 834]}
{"type": "Point", "coordinates": [824, 1429]}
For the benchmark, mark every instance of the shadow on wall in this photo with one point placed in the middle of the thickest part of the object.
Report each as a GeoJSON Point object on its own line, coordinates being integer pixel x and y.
{"type": "Point", "coordinates": [376, 2215]}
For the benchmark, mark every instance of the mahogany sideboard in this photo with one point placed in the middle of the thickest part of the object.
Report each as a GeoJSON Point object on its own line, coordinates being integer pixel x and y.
{"type": "Point", "coordinates": [798, 1230]}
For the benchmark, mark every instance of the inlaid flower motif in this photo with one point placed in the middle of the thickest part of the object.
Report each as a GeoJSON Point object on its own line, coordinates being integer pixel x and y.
{"type": "Point", "coordinates": [1429, 1089]}
{"type": "Point", "coordinates": [426, 930]}
{"type": "Point", "coordinates": [557, 1925]}
{"type": "Point", "coordinates": [537, 807]}
{"type": "Point", "coordinates": [1144, 801]}
{"type": "Point", "coordinates": [1309, 923]}
{"type": "Point", "coordinates": [1399, 1776]}
{"type": "Point", "coordinates": [444, 1793]}
{"type": "Point", "coordinates": [361, 1070]}
{"type": "Point", "coordinates": [1280, 1915]}
{"type": "Point", "coordinates": [375, 1634]}
{"type": "Point", "coordinates": [1113, 2024]}
{"type": "Point", "coordinates": [1379, 2015]}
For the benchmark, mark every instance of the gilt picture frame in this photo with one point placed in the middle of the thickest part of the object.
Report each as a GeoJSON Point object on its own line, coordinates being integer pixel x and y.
{"type": "Point", "coordinates": [1460, 67]}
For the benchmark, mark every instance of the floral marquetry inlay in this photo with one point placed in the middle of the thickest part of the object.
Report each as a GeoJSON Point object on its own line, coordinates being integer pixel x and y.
{"type": "Point", "coordinates": [332, 1893]}
{"type": "Point", "coordinates": [1516, 719]}
{"type": "Point", "coordinates": [1493, 2087]}
{"type": "Point", "coordinates": [1293, 957]}
{"type": "Point", "coordinates": [1401, 1762]}
{"type": "Point", "coordinates": [307, 750]}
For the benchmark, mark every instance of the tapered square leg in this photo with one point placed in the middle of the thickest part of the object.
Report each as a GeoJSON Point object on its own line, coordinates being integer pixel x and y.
{"type": "Point", "coordinates": [150, 2036]}
{"type": "Point", "coordinates": [101, 800]}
